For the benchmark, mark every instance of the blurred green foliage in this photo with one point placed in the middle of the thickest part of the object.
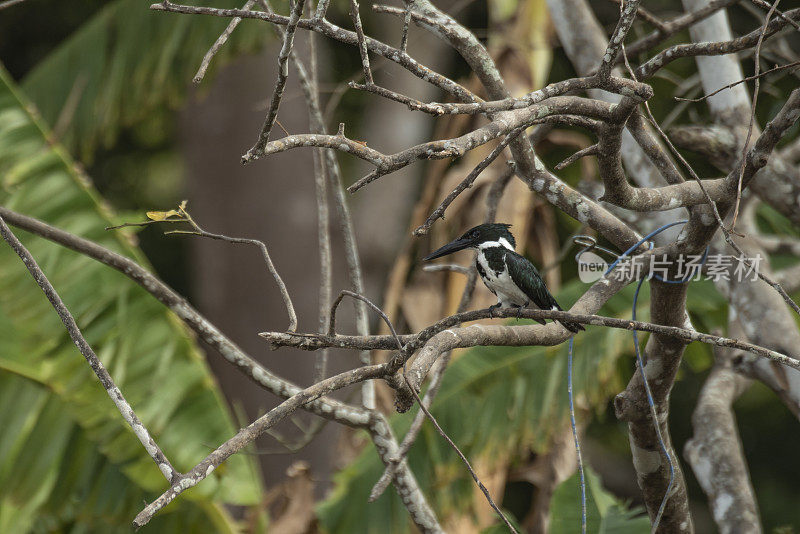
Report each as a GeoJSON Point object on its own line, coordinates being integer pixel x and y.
{"type": "Point", "coordinates": [67, 458]}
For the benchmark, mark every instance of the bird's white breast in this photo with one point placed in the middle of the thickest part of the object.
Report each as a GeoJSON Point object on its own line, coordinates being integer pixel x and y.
{"type": "Point", "coordinates": [501, 283]}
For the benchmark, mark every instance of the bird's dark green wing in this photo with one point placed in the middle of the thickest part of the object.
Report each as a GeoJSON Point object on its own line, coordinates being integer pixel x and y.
{"type": "Point", "coordinates": [527, 278]}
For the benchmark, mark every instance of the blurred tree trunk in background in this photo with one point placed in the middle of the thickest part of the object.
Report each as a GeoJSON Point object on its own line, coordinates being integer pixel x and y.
{"type": "Point", "coordinates": [273, 200]}
{"type": "Point", "coordinates": [390, 128]}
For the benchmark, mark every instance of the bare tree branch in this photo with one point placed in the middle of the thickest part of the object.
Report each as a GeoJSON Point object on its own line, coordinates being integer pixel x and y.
{"type": "Point", "coordinates": [323, 27]}
{"type": "Point", "coordinates": [355, 14]}
{"type": "Point", "coordinates": [715, 450]}
{"type": "Point", "coordinates": [647, 436]}
{"type": "Point", "coordinates": [674, 26]}
{"type": "Point", "coordinates": [219, 43]}
{"type": "Point", "coordinates": [716, 48]}
{"type": "Point", "coordinates": [248, 434]}
{"type": "Point", "coordinates": [141, 432]}
{"type": "Point", "coordinates": [280, 84]}
{"type": "Point", "coordinates": [627, 14]}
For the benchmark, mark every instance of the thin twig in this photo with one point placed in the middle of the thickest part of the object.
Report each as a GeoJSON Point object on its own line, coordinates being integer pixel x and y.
{"type": "Point", "coordinates": [743, 80]}
{"type": "Point", "coordinates": [588, 151]}
{"type": "Point", "coordinates": [751, 123]}
{"type": "Point", "coordinates": [467, 182]}
{"type": "Point", "coordinates": [781, 14]}
{"type": "Point", "coordinates": [463, 458]}
{"type": "Point", "coordinates": [219, 43]}
{"type": "Point", "coordinates": [280, 84]}
{"type": "Point", "coordinates": [406, 23]}
{"type": "Point", "coordinates": [291, 447]}
{"type": "Point", "coordinates": [198, 231]}
{"type": "Point", "coordinates": [647, 16]}
{"type": "Point", "coordinates": [152, 448]}
{"type": "Point", "coordinates": [355, 14]}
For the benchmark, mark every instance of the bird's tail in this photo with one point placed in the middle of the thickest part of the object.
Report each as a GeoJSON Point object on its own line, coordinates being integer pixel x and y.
{"type": "Point", "coordinates": [569, 325]}
{"type": "Point", "coordinates": [572, 327]}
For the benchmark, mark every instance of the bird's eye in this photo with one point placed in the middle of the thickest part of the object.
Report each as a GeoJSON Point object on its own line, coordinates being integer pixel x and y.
{"type": "Point", "coordinates": [474, 233]}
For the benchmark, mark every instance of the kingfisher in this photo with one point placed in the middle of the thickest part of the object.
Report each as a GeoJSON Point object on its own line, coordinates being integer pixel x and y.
{"type": "Point", "coordinates": [511, 277]}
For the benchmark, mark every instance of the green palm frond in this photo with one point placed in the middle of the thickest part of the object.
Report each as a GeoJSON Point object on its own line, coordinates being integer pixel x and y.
{"type": "Point", "coordinates": [70, 458]}
{"type": "Point", "coordinates": [605, 514]}
{"type": "Point", "coordinates": [126, 62]}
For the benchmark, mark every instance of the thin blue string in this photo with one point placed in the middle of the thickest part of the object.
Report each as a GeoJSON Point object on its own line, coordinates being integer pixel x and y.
{"type": "Point", "coordinates": [575, 436]}
{"type": "Point", "coordinates": [648, 392]}
{"type": "Point", "coordinates": [642, 240]}
{"type": "Point", "coordinates": [653, 414]}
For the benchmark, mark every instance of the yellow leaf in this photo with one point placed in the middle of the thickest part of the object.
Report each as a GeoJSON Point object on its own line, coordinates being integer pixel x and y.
{"type": "Point", "coordinates": [161, 215]}
{"type": "Point", "coordinates": [156, 215]}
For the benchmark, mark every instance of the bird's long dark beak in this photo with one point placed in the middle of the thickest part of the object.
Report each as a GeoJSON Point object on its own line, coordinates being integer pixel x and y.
{"type": "Point", "coordinates": [453, 246]}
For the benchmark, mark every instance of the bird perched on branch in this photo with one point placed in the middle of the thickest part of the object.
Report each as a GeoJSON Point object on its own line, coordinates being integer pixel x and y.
{"type": "Point", "coordinates": [511, 277]}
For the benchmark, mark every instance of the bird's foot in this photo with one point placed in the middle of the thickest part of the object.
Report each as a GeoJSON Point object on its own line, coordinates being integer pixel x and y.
{"type": "Point", "coordinates": [492, 308]}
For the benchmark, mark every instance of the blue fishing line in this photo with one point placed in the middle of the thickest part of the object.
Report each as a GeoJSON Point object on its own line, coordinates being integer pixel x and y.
{"type": "Point", "coordinates": [642, 240]}
{"type": "Point", "coordinates": [648, 392]}
{"type": "Point", "coordinates": [575, 436]}
{"type": "Point", "coordinates": [653, 414]}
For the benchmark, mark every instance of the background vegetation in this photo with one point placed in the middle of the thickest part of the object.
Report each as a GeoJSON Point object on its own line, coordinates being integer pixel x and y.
{"type": "Point", "coordinates": [90, 97]}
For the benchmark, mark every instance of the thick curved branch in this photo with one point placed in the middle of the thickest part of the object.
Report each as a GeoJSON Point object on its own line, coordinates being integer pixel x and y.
{"type": "Point", "coordinates": [715, 450]}
{"type": "Point", "coordinates": [620, 192]}
{"type": "Point", "coordinates": [448, 148]}
{"type": "Point", "coordinates": [662, 356]}
{"type": "Point", "coordinates": [584, 41]}
{"type": "Point", "coordinates": [698, 232]}
{"type": "Point", "coordinates": [777, 184]}
{"type": "Point", "coordinates": [529, 168]}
